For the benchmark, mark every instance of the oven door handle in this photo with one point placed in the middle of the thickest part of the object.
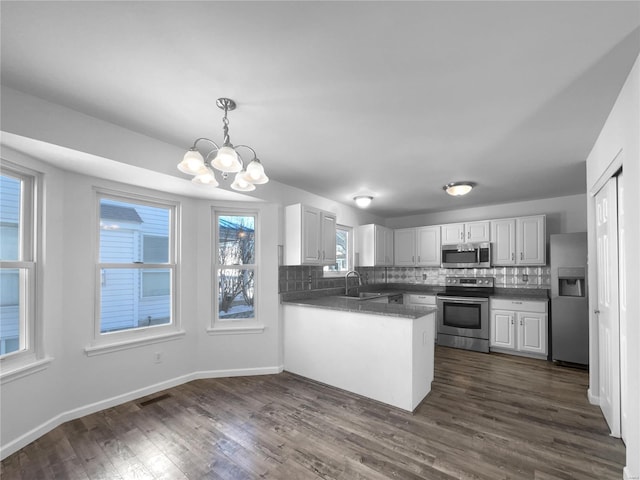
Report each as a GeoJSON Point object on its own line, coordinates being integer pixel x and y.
{"type": "Point", "coordinates": [465, 299]}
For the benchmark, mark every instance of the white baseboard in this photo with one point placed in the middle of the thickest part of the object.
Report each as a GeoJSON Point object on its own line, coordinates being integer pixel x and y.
{"type": "Point", "coordinates": [35, 433]}
{"type": "Point", "coordinates": [593, 399]}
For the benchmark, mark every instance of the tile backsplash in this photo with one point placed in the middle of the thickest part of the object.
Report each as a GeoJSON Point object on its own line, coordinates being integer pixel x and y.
{"type": "Point", "coordinates": [299, 278]}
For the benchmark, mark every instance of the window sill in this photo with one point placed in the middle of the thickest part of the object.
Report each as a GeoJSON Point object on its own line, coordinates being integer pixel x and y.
{"type": "Point", "coordinates": [24, 370]}
{"type": "Point", "coordinates": [235, 329]}
{"type": "Point", "coordinates": [132, 343]}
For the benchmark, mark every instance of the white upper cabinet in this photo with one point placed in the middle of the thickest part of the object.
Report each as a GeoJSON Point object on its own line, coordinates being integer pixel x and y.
{"type": "Point", "coordinates": [466, 232]}
{"type": "Point", "coordinates": [519, 241]}
{"type": "Point", "coordinates": [417, 247]}
{"type": "Point", "coordinates": [404, 247]}
{"type": "Point", "coordinates": [428, 246]}
{"type": "Point", "coordinates": [375, 245]}
{"type": "Point", "coordinates": [310, 235]}
{"type": "Point", "coordinates": [531, 241]}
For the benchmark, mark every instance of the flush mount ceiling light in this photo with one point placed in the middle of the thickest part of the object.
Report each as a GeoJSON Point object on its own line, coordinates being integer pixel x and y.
{"type": "Point", "coordinates": [363, 201]}
{"type": "Point", "coordinates": [457, 189]}
{"type": "Point", "coordinates": [225, 158]}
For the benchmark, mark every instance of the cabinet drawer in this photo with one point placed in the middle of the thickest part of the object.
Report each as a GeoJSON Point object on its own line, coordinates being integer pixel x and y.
{"type": "Point", "coordinates": [415, 299]}
{"type": "Point", "coordinates": [535, 306]}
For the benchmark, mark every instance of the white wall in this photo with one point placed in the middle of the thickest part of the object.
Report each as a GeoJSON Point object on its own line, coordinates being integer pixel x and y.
{"type": "Point", "coordinates": [564, 214]}
{"type": "Point", "coordinates": [621, 134]}
{"type": "Point", "coordinates": [74, 383]}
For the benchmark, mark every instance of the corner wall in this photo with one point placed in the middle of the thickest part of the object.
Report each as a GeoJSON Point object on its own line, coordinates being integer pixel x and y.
{"type": "Point", "coordinates": [618, 145]}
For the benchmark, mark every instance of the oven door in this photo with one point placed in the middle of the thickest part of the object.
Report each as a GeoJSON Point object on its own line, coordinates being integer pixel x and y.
{"type": "Point", "coordinates": [463, 316]}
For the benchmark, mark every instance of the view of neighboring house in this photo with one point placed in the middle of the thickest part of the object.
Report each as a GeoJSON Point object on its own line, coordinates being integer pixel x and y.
{"type": "Point", "coordinates": [9, 251]}
{"type": "Point", "coordinates": [133, 234]}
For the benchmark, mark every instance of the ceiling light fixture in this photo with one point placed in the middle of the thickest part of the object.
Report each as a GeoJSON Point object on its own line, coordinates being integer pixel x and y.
{"type": "Point", "coordinates": [226, 159]}
{"type": "Point", "coordinates": [457, 189]}
{"type": "Point", "coordinates": [363, 201]}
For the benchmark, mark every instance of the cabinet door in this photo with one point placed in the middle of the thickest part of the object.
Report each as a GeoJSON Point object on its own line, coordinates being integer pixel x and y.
{"type": "Point", "coordinates": [311, 226]}
{"type": "Point", "coordinates": [328, 239]}
{"type": "Point", "coordinates": [531, 240]}
{"type": "Point", "coordinates": [477, 232]}
{"type": "Point", "coordinates": [503, 238]}
{"type": "Point", "coordinates": [388, 246]}
{"type": "Point", "coordinates": [532, 332]}
{"type": "Point", "coordinates": [452, 233]}
{"type": "Point", "coordinates": [380, 245]}
{"type": "Point", "coordinates": [404, 247]}
{"type": "Point", "coordinates": [428, 246]}
{"type": "Point", "coordinates": [503, 329]}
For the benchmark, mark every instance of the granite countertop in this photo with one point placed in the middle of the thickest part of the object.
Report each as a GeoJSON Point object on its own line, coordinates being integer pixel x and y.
{"type": "Point", "coordinates": [356, 305]}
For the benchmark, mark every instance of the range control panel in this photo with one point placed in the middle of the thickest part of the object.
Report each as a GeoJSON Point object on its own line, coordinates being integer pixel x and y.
{"type": "Point", "coordinates": [484, 282]}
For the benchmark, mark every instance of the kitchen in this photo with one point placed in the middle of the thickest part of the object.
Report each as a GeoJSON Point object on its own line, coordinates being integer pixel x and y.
{"type": "Point", "coordinates": [78, 148]}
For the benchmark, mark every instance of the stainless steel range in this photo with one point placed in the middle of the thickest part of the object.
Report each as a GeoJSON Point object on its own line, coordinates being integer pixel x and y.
{"type": "Point", "coordinates": [463, 313]}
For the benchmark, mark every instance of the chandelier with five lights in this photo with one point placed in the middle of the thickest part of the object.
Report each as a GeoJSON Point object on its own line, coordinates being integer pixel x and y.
{"type": "Point", "coordinates": [225, 158]}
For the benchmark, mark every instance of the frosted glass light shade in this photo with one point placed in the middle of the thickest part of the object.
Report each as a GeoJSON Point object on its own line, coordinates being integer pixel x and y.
{"type": "Point", "coordinates": [458, 188]}
{"type": "Point", "coordinates": [363, 201]}
{"type": "Point", "coordinates": [205, 177]}
{"type": "Point", "coordinates": [255, 173]}
{"type": "Point", "coordinates": [191, 163]}
{"type": "Point", "coordinates": [227, 160]}
{"type": "Point", "coordinates": [240, 184]}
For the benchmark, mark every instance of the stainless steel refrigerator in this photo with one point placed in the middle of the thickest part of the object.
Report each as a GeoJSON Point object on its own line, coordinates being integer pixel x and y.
{"type": "Point", "coordinates": [569, 302]}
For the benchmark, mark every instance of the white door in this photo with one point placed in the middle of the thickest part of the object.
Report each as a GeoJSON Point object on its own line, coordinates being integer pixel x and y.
{"type": "Point", "coordinates": [622, 289]}
{"type": "Point", "coordinates": [607, 311]}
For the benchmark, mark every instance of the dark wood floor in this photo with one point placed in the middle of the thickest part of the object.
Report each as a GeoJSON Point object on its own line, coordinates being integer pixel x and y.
{"type": "Point", "coordinates": [487, 417]}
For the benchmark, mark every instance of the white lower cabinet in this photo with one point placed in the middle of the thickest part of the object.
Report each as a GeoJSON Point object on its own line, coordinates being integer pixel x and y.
{"type": "Point", "coordinates": [519, 327]}
{"type": "Point", "coordinates": [424, 300]}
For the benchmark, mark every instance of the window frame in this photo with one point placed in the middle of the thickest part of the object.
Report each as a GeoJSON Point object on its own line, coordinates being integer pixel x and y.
{"type": "Point", "coordinates": [350, 253]}
{"type": "Point", "coordinates": [106, 342]}
{"type": "Point", "coordinates": [234, 325]}
{"type": "Point", "coordinates": [30, 357]}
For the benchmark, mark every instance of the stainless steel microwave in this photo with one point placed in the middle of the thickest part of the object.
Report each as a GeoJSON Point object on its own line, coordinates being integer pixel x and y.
{"type": "Point", "coordinates": [466, 255]}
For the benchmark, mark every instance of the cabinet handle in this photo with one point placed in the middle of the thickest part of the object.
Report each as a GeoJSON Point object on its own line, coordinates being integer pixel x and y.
{"type": "Point", "coordinates": [517, 303]}
{"type": "Point", "coordinates": [597, 312]}
{"type": "Point", "coordinates": [512, 321]}
{"type": "Point", "coordinates": [413, 259]}
{"type": "Point", "coordinates": [513, 256]}
{"type": "Point", "coordinates": [462, 236]}
{"type": "Point", "coordinates": [520, 322]}
{"type": "Point", "coordinates": [521, 256]}
{"type": "Point", "coordinates": [469, 234]}
{"type": "Point", "coordinates": [418, 258]}
{"type": "Point", "coordinates": [318, 257]}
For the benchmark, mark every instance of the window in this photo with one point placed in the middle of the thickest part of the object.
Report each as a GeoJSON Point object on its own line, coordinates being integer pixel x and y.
{"type": "Point", "coordinates": [235, 266]}
{"type": "Point", "coordinates": [136, 270]}
{"type": "Point", "coordinates": [17, 273]}
{"type": "Point", "coordinates": [344, 236]}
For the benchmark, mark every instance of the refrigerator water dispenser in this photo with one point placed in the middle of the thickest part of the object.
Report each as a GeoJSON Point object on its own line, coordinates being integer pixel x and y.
{"type": "Point", "coordinates": [571, 282]}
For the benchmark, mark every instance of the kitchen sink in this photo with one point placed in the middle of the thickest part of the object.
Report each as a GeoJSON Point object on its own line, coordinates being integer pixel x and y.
{"type": "Point", "coordinates": [363, 295]}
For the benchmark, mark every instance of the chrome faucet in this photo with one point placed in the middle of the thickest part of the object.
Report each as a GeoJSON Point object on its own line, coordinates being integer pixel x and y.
{"type": "Point", "coordinates": [346, 280]}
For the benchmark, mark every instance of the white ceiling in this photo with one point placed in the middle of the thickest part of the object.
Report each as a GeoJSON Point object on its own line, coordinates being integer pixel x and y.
{"type": "Point", "coordinates": [391, 98]}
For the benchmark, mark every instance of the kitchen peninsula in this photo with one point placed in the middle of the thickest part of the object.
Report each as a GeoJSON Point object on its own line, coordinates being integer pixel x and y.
{"type": "Point", "coordinates": [378, 350]}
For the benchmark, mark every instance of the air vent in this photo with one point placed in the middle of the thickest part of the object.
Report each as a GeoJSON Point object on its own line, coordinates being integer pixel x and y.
{"type": "Point", "coordinates": [153, 400]}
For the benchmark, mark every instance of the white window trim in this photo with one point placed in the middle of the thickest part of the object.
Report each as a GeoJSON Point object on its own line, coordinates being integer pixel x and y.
{"type": "Point", "coordinates": [132, 338]}
{"type": "Point", "coordinates": [32, 358]}
{"type": "Point", "coordinates": [235, 326]}
{"type": "Point", "coordinates": [350, 256]}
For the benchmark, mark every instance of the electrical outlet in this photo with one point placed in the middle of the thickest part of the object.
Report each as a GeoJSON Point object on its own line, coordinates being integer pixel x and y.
{"type": "Point", "coordinates": [157, 357]}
